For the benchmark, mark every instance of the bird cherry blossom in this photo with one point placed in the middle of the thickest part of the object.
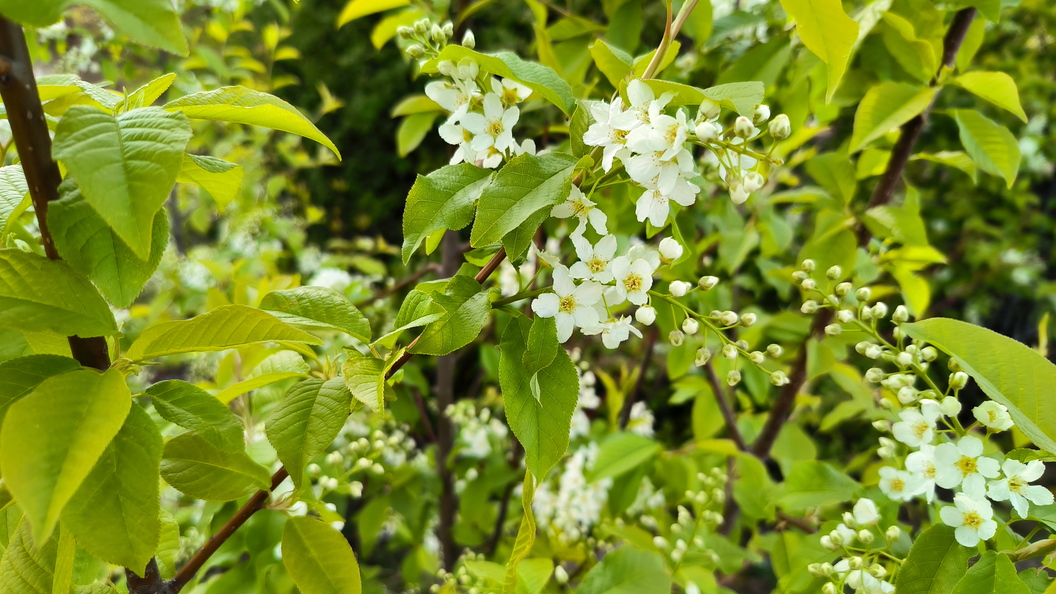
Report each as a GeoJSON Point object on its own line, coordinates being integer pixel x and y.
{"type": "Point", "coordinates": [569, 305]}
{"type": "Point", "coordinates": [1014, 487]}
{"type": "Point", "coordinates": [972, 517]}
{"type": "Point", "coordinates": [962, 463]}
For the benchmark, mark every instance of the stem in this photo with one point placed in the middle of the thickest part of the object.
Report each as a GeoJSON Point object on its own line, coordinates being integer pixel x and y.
{"type": "Point", "coordinates": [628, 404]}
{"type": "Point", "coordinates": [445, 443]}
{"type": "Point", "coordinates": [18, 88]}
{"type": "Point", "coordinates": [724, 407]}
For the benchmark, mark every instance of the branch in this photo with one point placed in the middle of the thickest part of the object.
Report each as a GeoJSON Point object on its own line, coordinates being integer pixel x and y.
{"type": "Point", "coordinates": [883, 193]}
{"type": "Point", "coordinates": [628, 404]}
{"type": "Point", "coordinates": [18, 88]}
{"type": "Point", "coordinates": [445, 443]}
{"type": "Point", "coordinates": [725, 408]}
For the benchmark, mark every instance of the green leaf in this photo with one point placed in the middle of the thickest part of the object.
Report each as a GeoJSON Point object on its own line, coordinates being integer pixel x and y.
{"type": "Point", "coordinates": [365, 379]}
{"type": "Point", "coordinates": [239, 105]}
{"type": "Point", "coordinates": [1008, 371]}
{"type": "Point", "coordinates": [62, 579]}
{"type": "Point", "coordinates": [307, 421]}
{"type": "Point", "coordinates": [613, 62]}
{"type": "Point", "coordinates": [887, 106]}
{"type": "Point", "coordinates": [18, 377]}
{"type": "Point", "coordinates": [993, 573]}
{"type": "Point", "coordinates": [317, 308]}
{"type": "Point", "coordinates": [827, 31]}
{"type": "Point", "coordinates": [742, 97]}
{"type": "Point", "coordinates": [535, 76]}
{"type": "Point", "coordinates": [125, 165]}
{"type": "Point", "coordinates": [318, 558]}
{"type": "Point", "coordinates": [525, 186]}
{"type": "Point", "coordinates": [835, 173]}
{"type": "Point", "coordinates": [195, 409]}
{"type": "Point", "coordinates": [279, 367]}
{"type": "Point", "coordinates": [542, 345]}
{"type": "Point", "coordinates": [223, 180]}
{"type": "Point", "coordinates": [956, 159]}
{"type": "Point", "coordinates": [815, 484]}
{"type": "Point", "coordinates": [621, 453]}
{"type": "Point", "coordinates": [154, 23]}
{"type": "Point", "coordinates": [993, 148]}
{"type": "Point", "coordinates": [412, 131]}
{"type": "Point", "coordinates": [522, 544]}
{"type": "Point", "coordinates": [225, 327]}
{"type": "Point", "coordinates": [199, 469]}
{"type": "Point", "coordinates": [444, 199]}
{"type": "Point", "coordinates": [149, 93]}
{"type": "Point", "coordinates": [627, 571]}
{"type": "Point", "coordinates": [466, 312]}
{"type": "Point", "coordinates": [934, 564]}
{"type": "Point", "coordinates": [28, 567]}
{"type": "Point", "coordinates": [361, 8]}
{"type": "Point", "coordinates": [53, 437]}
{"type": "Point", "coordinates": [91, 247]}
{"type": "Point", "coordinates": [996, 87]}
{"type": "Point", "coordinates": [542, 422]}
{"type": "Point", "coordinates": [42, 295]}
{"type": "Point", "coordinates": [168, 545]}
{"type": "Point", "coordinates": [116, 514]}
{"type": "Point", "coordinates": [578, 126]}
{"type": "Point", "coordinates": [14, 193]}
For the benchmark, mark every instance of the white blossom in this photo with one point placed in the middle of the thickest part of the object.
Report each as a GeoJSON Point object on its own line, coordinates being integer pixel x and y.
{"type": "Point", "coordinates": [593, 259]}
{"type": "Point", "coordinates": [1014, 487]}
{"type": "Point", "coordinates": [633, 279]}
{"type": "Point", "coordinates": [972, 518]}
{"type": "Point", "coordinates": [569, 305]}
{"type": "Point", "coordinates": [579, 206]}
{"type": "Point", "coordinates": [963, 464]}
{"type": "Point", "coordinates": [993, 415]}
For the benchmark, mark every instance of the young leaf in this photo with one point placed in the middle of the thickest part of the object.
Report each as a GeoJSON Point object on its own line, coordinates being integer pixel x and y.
{"type": "Point", "coordinates": [993, 573]}
{"type": "Point", "coordinates": [887, 106]}
{"type": "Point", "coordinates": [412, 131]}
{"type": "Point", "coordinates": [28, 566]}
{"type": "Point", "coordinates": [307, 421]}
{"type": "Point", "coordinates": [281, 366]}
{"type": "Point", "coordinates": [827, 31]}
{"type": "Point", "coordinates": [221, 179]}
{"type": "Point", "coordinates": [197, 468]}
{"type": "Point", "coordinates": [523, 187]}
{"type": "Point", "coordinates": [993, 148]}
{"type": "Point", "coordinates": [42, 295]}
{"type": "Point", "coordinates": [365, 379]}
{"type": "Point", "coordinates": [537, 77]}
{"type": "Point", "coordinates": [466, 311]}
{"type": "Point", "coordinates": [444, 199]}
{"type": "Point", "coordinates": [195, 409]}
{"type": "Point", "coordinates": [14, 192]}
{"type": "Point", "coordinates": [627, 570]}
{"type": "Point", "coordinates": [53, 437]}
{"type": "Point", "coordinates": [225, 327]}
{"type": "Point", "coordinates": [815, 484]}
{"type": "Point", "coordinates": [239, 105]}
{"type": "Point", "coordinates": [319, 559]}
{"type": "Point", "coordinates": [613, 62]}
{"type": "Point", "coordinates": [522, 545]}
{"type": "Point", "coordinates": [19, 376]}
{"type": "Point", "coordinates": [996, 87]}
{"type": "Point", "coordinates": [116, 514]}
{"type": "Point", "coordinates": [154, 23]}
{"type": "Point", "coordinates": [91, 247]}
{"type": "Point", "coordinates": [360, 8]}
{"type": "Point", "coordinates": [147, 94]}
{"type": "Point", "coordinates": [1008, 371]}
{"type": "Point", "coordinates": [125, 165]}
{"type": "Point", "coordinates": [542, 422]}
{"type": "Point", "coordinates": [317, 308]}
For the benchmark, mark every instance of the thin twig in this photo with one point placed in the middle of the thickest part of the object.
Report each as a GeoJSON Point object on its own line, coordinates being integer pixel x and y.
{"type": "Point", "coordinates": [724, 407]}
{"type": "Point", "coordinates": [628, 403]}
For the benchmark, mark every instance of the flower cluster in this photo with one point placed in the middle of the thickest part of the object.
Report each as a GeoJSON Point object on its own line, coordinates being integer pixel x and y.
{"type": "Point", "coordinates": [857, 535]}
{"type": "Point", "coordinates": [571, 511]}
{"type": "Point", "coordinates": [479, 433]}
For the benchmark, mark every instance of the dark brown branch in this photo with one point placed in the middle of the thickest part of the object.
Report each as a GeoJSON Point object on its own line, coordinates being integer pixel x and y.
{"type": "Point", "coordinates": [18, 88]}
{"type": "Point", "coordinates": [881, 195]}
{"type": "Point", "coordinates": [255, 503]}
{"type": "Point", "coordinates": [628, 404]}
{"type": "Point", "coordinates": [427, 426]}
{"type": "Point", "coordinates": [445, 443]}
{"type": "Point", "coordinates": [724, 407]}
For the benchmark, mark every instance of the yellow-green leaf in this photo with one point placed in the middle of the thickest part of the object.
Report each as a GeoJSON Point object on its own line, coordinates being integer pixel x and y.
{"type": "Point", "coordinates": [197, 468]}
{"type": "Point", "coordinates": [996, 87]}
{"type": "Point", "coordinates": [827, 31]}
{"type": "Point", "coordinates": [307, 420]}
{"type": "Point", "coordinates": [223, 180]}
{"type": "Point", "coordinates": [991, 145]}
{"type": "Point", "coordinates": [885, 107]}
{"type": "Point", "coordinates": [361, 8]}
{"type": "Point", "coordinates": [319, 559]}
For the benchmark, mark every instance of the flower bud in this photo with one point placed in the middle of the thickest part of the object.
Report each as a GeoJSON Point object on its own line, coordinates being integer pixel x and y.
{"type": "Point", "coordinates": [861, 346]}
{"type": "Point", "coordinates": [707, 283]}
{"type": "Point", "coordinates": [843, 289]}
{"type": "Point", "coordinates": [774, 350]}
{"type": "Point", "coordinates": [660, 542]}
{"type": "Point", "coordinates": [729, 351]}
{"type": "Point", "coordinates": [874, 351]}
{"type": "Point", "coordinates": [865, 536]}
{"type": "Point", "coordinates": [901, 315]}
{"type": "Point", "coordinates": [690, 326]}
{"type": "Point", "coordinates": [855, 562]}
{"type": "Point", "coordinates": [729, 318]}
{"type": "Point", "coordinates": [676, 337]}
{"type": "Point", "coordinates": [469, 41]}
{"type": "Point", "coordinates": [436, 33]}
{"type": "Point", "coordinates": [845, 316]}
{"type": "Point", "coordinates": [449, 29]}
{"type": "Point", "coordinates": [670, 250]}
{"type": "Point", "coordinates": [761, 114]}
{"type": "Point", "coordinates": [780, 127]}
{"type": "Point", "coordinates": [702, 357]}
{"type": "Point", "coordinates": [834, 272]}
{"type": "Point", "coordinates": [678, 288]}
{"type": "Point", "coordinates": [421, 27]}
{"type": "Point", "coordinates": [445, 67]}
{"type": "Point", "coordinates": [741, 344]}
{"type": "Point", "coordinates": [748, 319]}
{"type": "Point", "coordinates": [833, 330]}
{"type": "Point", "coordinates": [904, 359]}
{"type": "Point", "coordinates": [753, 181]}
{"type": "Point", "coordinates": [928, 354]}
{"type": "Point", "coordinates": [645, 315]}
{"type": "Point", "coordinates": [908, 395]}
{"type": "Point", "coordinates": [958, 380]}
{"type": "Point", "coordinates": [815, 570]}
{"type": "Point", "coordinates": [778, 378]}
{"type": "Point", "coordinates": [809, 306]}
{"type": "Point", "coordinates": [405, 32]}
{"type": "Point", "coordinates": [878, 571]}
{"type": "Point", "coordinates": [733, 378]}
{"type": "Point", "coordinates": [829, 587]}
{"type": "Point", "coordinates": [863, 294]}
{"type": "Point", "coordinates": [880, 310]}
{"type": "Point", "coordinates": [808, 284]}
{"type": "Point", "coordinates": [826, 542]}
{"type": "Point", "coordinates": [560, 575]}
{"type": "Point", "coordinates": [893, 533]}
{"type": "Point", "coordinates": [874, 375]}
{"type": "Point", "coordinates": [706, 131]}
{"type": "Point", "coordinates": [953, 365]}
{"type": "Point", "coordinates": [882, 426]}
{"type": "Point", "coordinates": [415, 51]}
{"type": "Point", "coordinates": [807, 265]}
{"type": "Point", "coordinates": [739, 194]}
{"type": "Point", "coordinates": [743, 127]}
{"type": "Point", "coordinates": [709, 110]}
{"type": "Point", "coordinates": [950, 406]}
{"type": "Point", "coordinates": [756, 357]}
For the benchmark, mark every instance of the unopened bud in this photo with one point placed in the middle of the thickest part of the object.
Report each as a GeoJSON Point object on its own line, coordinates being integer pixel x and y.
{"type": "Point", "coordinates": [560, 575]}
{"type": "Point", "coordinates": [833, 330]}
{"type": "Point", "coordinates": [676, 337]}
{"type": "Point", "coordinates": [807, 265]}
{"type": "Point", "coordinates": [702, 357]}
{"type": "Point", "coordinates": [729, 318]}
{"type": "Point", "coordinates": [874, 351]}
{"type": "Point", "coordinates": [863, 294]}
{"type": "Point", "coordinates": [809, 306]}
{"type": "Point", "coordinates": [707, 283]}
{"type": "Point", "coordinates": [774, 350]}
{"type": "Point", "coordinates": [880, 310]}
{"type": "Point", "coordinates": [761, 114]}
{"type": "Point", "coordinates": [901, 315]}
{"type": "Point", "coordinates": [843, 289]}
{"type": "Point", "coordinates": [893, 533]}
{"type": "Point", "coordinates": [808, 284]}
{"type": "Point", "coordinates": [421, 27]}
{"type": "Point", "coordinates": [678, 288]}
{"type": "Point", "coordinates": [928, 353]}
{"type": "Point", "coordinates": [743, 127]}
{"type": "Point", "coordinates": [706, 131]}
{"type": "Point", "coordinates": [670, 250]}
{"type": "Point", "coordinates": [958, 380]}
{"type": "Point", "coordinates": [845, 316]}
{"type": "Point", "coordinates": [690, 326]}
{"type": "Point", "coordinates": [756, 357]}
{"type": "Point", "coordinates": [882, 426]}
{"type": "Point", "coordinates": [733, 377]}
{"type": "Point", "coordinates": [405, 32]}
{"type": "Point", "coordinates": [415, 51]}
{"type": "Point", "coordinates": [753, 181]}
{"type": "Point", "coordinates": [829, 587]}
{"type": "Point", "coordinates": [709, 110]}
{"type": "Point", "coordinates": [904, 359]}
{"type": "Point", "coordinates": [834, 273]}
{"type": "Point", "coordinates": [469, 41]}
{"type": "Point", "coordinates": [865, 536]}
{"type": "Point", "coordinates": [826, 542]}
{"type": "Point", "coordinates": [878, 571]}
{"type": "Point", "coordinates": [874, 375]}
{"type": "Point", "coordinates": [748, 319]}
{"type": "Point", "coordinates": [950, 406]}
{"type": "Point", "coordinates": [729, 351]}
{"type": "Point", "coordinates": [778, 378]}
{"type": "Point", "coordinates": [780, 127]}
{"type": "Point", "coordinates": [645, 315]}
